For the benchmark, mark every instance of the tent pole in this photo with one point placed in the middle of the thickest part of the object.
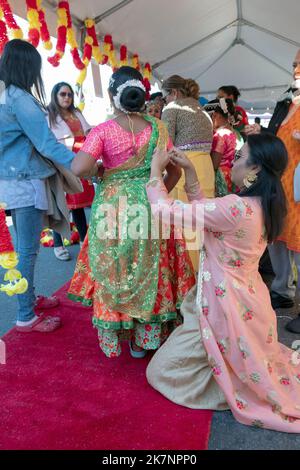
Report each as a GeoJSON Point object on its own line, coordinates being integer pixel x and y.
{"type": "Point", "coordinates": [272, 87]}
{"type": "Point", "coordinates": [215, 61]}
{"type": "Point", "coordinates": [255, 51]}
{"type": "Point", "coordinates": [239, 19]}
{"type": "Point", "coordinates": [112, 10]}
{"type": "Point", "coordinates": [271, 33]}
{"type": "Point", "coordinates": [215, 33]}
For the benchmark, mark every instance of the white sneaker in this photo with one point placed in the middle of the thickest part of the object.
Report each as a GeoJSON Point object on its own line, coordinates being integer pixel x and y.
{"type": "Point", "coordinates": [62, 253]}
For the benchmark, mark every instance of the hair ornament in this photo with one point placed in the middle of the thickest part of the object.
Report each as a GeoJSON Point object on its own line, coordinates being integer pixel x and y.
{"type": "Point", "coordinates": [223, 105]}
{"type": "Point", "coordinates": [121, 88]}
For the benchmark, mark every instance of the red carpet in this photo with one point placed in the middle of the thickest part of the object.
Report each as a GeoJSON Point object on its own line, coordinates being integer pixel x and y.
{"type": "Point", "coordinates": [58, 391]}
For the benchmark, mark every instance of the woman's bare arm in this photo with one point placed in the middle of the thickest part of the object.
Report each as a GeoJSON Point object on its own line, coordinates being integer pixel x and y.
{"type": "Point", "coordinates": [84, 165]}
{"type": "Point", "coordinates": [172, 177]}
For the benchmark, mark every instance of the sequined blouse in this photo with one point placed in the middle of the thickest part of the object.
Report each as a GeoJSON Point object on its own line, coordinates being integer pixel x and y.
{"type": "Point", "coordinates": [190, 128]}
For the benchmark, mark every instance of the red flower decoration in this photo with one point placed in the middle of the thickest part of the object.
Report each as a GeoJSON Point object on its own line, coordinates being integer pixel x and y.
{"type": "Point", "coordinates": [3, 35]}
{"type": "Point", "coordinates": [6, 245]}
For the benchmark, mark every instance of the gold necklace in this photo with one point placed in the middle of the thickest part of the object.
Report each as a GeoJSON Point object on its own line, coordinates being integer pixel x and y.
{"type": "Point", "coordinates": [134, 146]}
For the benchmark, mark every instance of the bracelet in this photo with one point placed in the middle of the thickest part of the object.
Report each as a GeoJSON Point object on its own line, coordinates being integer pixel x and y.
{"type": "Point", "coordinates": [155, 181]}
{"type": "Point", "coordinates": [187, 187]}
{"type": "Point", "coordinates": [196, 183]}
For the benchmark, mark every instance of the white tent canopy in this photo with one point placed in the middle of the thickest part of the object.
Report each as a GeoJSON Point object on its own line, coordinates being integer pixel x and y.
{"type": "Point", "coordinates": [248, 43]}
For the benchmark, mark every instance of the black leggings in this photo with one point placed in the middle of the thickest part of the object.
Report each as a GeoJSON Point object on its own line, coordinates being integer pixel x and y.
{"type": "Point", "coordinates": [79, 219]}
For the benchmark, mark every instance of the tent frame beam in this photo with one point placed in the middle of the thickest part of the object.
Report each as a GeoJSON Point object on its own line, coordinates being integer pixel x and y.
{"type": "Point", "coordinates": [239, 19]}
{"type": "Point", "coordinates": [217, 60]}
{"type": "Point", "coordinates": [112, 10]}
{"type": "Point", "coordinates": [197, 43]}
{"type": "Point", "coordinates": [271, 87]}
{"type": "Point", "coordinates": [238, 40]}
{"type": "Point", "coordinates": [271, 33]}
{"type": "Point", "coordinates": [250, 48]}
{"type": "Point", "coordinates": [239, 22]}
{"type": "Point", "coordinates": [263, 56]}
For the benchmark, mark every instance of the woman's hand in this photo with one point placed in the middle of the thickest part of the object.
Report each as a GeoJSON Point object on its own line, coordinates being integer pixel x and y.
{"type": "Point", "coordinates": [160, 160]}
{"type": "Point", "coordinates": [252, 129]}
{"type": "Point", "coordinates": [177, 157]}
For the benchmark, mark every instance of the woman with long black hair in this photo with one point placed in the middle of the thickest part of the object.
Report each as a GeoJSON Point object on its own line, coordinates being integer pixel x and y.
{"type": "Point", "coordinates": [70, 128]}
{"type": "Point", "coordinates": [25, 140]}
{"type": "Point", "coordinates": [227, 354]}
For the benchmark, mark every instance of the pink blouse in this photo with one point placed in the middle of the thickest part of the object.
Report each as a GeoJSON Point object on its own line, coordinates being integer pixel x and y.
{"type": "Point", "coordinates": [113, 144]}
{"type": "Point", "coordinates": [224, 142]}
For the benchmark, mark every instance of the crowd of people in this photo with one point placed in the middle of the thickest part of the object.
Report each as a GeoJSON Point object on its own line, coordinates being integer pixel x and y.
{"type": "Point", "coordinates": [222, 191]}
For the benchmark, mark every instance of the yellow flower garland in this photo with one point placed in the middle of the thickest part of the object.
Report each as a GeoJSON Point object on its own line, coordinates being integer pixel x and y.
{"type": "Point", "coordinates": [16, 284]}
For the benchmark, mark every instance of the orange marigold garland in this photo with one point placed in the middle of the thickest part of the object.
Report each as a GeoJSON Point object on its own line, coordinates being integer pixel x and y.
{"type": "Point", "coordinates": [108, 49]}
{"type": "Point", "coordinates": [62, 24]}
{"type": "Point", "coordinates": [47, 237]}
{"type": "Point", "coordinates": [91, 32]}
{"type": "Point", "coordinates": [147, 85]}
{"type": "Point", "coordinates": [44, 32]}
{"type": "Point", "coordinates": [87, 56]}
{"type": "Point", "coordinates": [34, 22]}
{"type": "Point", "coordinates": [3, 35]}
{"type": "Point", "coordinates": [91, 49]}
{"type": "Point", "coordinates": [9, 260]}
{"type": "Point", "coordinates": [71, 39]}
{"type": "Point", "coordinates": [147, 71]}
{"type": "Point", "coordinates": [6, 13]}
{"type": "Point", "coordinates": [135, 63]}
{"type": "Point", "coordinates": [123, 55]}
{"type": "Point", "coordinates": [65, 34]}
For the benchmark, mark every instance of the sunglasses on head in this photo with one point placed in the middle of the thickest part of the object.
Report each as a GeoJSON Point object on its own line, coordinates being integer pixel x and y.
{"type": "Point", "coordinates": [63, 94]}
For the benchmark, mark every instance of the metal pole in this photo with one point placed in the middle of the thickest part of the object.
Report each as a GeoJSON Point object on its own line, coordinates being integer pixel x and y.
{"type": "Point", "coordinates": [255, 51]}
{"type": "Point", "coordinates": [215, 61]}
{"type": "Point", "coordinates": [271, 33]}
{"type": "Point", "coordinates": [215, 33]}
{"type": "Point", "coordinates": [112, 10]}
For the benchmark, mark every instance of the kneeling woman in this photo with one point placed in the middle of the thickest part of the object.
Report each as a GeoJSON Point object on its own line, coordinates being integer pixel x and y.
{"type": "Point", "coordinates": [227, 354]}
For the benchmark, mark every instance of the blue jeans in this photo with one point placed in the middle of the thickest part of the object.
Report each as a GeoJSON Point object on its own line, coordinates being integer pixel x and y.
{"type": "Point", "coordinates": [28, 224]}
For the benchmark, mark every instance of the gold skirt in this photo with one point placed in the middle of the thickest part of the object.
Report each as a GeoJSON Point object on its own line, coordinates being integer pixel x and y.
{"type": "Point", "coordinates": [206, 175]}
{"type": "Point", "coordinates": [179, 370]}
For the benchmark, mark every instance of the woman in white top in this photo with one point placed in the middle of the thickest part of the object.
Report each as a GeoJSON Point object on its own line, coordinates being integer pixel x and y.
{"type": "Point", "coordinates": [70, 128]}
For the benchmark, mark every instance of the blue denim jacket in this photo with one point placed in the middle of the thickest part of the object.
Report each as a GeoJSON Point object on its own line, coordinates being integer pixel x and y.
{"type": "Point", "coordinates": [25, 139]}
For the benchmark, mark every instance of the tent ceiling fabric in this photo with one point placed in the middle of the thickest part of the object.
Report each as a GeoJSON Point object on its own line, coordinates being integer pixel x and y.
{"type": "Point", "coordinates": [158, 30]}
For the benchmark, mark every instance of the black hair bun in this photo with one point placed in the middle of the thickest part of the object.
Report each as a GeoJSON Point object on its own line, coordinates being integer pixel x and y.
{"type": "Point", "coordinates": [133, 99]}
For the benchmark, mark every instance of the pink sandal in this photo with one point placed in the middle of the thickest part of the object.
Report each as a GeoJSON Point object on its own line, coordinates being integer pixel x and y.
{"type": "Point", "coordinates": [42, 325]}
{"type": "Point", "coordinates": [44, 303]}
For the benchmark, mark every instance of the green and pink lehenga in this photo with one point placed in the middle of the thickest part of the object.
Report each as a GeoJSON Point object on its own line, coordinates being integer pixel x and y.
{"type": "Point", "coordinates": [134, 283]}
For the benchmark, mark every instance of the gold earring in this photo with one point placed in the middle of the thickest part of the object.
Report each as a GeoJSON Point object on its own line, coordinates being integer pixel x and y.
{"type": "Point", "coordinates": [249, 179]}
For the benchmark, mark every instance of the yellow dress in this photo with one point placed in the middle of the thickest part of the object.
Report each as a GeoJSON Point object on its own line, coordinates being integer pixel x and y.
{"type": "Point", "coordinates": [205, 171]}
{"type": "Point", "coordinates": [191, 130]}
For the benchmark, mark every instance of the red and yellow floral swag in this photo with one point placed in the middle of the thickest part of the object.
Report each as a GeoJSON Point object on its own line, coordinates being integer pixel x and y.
{"type": "Point", "coordinates": [38, 31]}
{"type": "Point", "coordinates": [15, 283]}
